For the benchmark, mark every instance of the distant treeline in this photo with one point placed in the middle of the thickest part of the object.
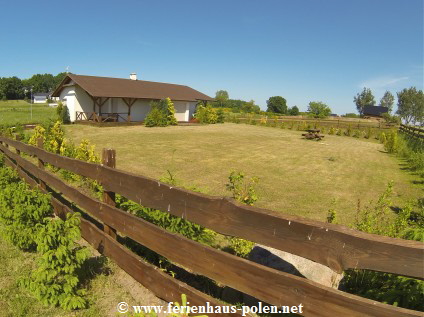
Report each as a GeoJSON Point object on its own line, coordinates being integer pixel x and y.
{"type": "Point", "coordinates": [13, 88]}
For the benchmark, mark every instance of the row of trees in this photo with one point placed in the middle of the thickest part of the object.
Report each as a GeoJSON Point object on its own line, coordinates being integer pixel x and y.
{"type": "Point", "coordinates": [13, 88]}
{"type": "Point", "coordinates": [222, 100]}
{"type": "Point", "coordinates": [410, 103]}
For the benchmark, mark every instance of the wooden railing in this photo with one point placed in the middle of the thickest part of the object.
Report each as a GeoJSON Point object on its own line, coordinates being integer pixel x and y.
{"type": "Point", "coordinates": [412, 131]}
{"type": "Point", "coordinates": [103, 117]}
{"type": "Point", "coordinates": [335, 246]}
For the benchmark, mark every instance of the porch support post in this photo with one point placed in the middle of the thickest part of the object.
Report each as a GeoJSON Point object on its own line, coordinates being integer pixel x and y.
{"type": "Point", "coordinates": [129, 104]}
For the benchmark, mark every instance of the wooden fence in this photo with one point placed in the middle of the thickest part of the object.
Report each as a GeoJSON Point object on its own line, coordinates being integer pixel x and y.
{"type": "Point", "coordinates": [412, 131]}
{"type": "Point", "coordinates": [335, 246]}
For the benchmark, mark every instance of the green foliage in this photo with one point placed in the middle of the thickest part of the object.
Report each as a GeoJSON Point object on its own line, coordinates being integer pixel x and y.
{"type": "Point", "coordinates": [332, 131]}
{"type": "Point", "coordinates": [240, 246]}
{"type": "Point", "coordinates": [168, 221]}
{"type": "Point", "coordinates": [156, 117]}
{"type": "Point", "coordinates": [293, 111]}
{"type": "Point", "coordinates": [387, 288]}
{"type": "Point", "coordinates": [21, 209]}
{"type": "Point", "coordinates": [64, 115]}
{"type": "Point", "coordinates": [348, 131]}
{"type": "Point", "coordinates": [55, 281]}
{"type": "Point", "coordinates": [59, 109]}
{"type": "Point", "coordinates": [318, 109]}
{"type": "Point", "coordinates": [387, 101]}
{"type": "Point", "coordinates": [350, 115]}
{"type": "Point", "coordinates": [221, 97]}
{"type": "Point", "coordinates": [162, 114]}
{"type": "Point", "coordinates": [170, 112]}
{"type": "Point", "coordinates": [365, 98]}
{"type": "Point", "coordinates": [206, 114]}
{"type": "Point", "coordinates": [220, 116]}
{"type": "Point", "coordinates": [411, 105]}
{"type": "Point", "coordinates": [332, 214]}
{"type": "Point", "coordinates": [391, 142]}
{"type": "Point", "coordinates": [39, 132]}
{"type": "Point", "coordinates": [277, 104]}
{"type": "Point", "coordinates": [242, 189]}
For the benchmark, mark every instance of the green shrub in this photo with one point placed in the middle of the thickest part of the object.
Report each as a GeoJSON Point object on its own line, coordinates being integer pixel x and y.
{"type": "Point", "coordinates": [348, 131]}
{"type": "Point", "coordinates": [168, 221]}
{"type": "Point", "coordinates": [220, 116]}
{"type": "Point", "coordinates": [59, 109]}
{"type": "Point", "coordinates": [242, 189]}
{"type": "Point", "coordinates": [21, 209]}
{"type": "Point", "coordinates": [156, 117]}
{"type": "Point", "coordinates": [169, 111]}
{"type": "Point", "coordinates": [356, 134]}
{"type": "Point", "coordinates": [391, 144]}
{"type": "Point", "coordinates": [208, 115]}
{"type": "Point", "coordinates": [332, 131]}
{"type": "Point", "coordinates": [368, 133]}
{"type": "Point", "coordinates": [55, 282]}
{"type": "Point", "coordinates": [64, 115]}
{"type": "Point", "coordinates": [384, 287]}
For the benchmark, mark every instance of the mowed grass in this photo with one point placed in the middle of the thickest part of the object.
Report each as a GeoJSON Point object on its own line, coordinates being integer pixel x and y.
{"type": "Point", "coordinates": [19, 112]}
{"type": "Point", "coordinates": [296, 176]}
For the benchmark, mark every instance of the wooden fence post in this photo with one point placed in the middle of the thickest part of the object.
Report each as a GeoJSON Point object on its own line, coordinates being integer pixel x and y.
{"type": "Point", "coordinates": [109, 159]}
{"type": "Point", "coordinates": [40, 144]}
{"type": "Point", "coordinates": [17, 138]}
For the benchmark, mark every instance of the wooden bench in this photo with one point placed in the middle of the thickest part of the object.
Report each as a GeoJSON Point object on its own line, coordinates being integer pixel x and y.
{"type": "Point", "coordinates": [313, 134]}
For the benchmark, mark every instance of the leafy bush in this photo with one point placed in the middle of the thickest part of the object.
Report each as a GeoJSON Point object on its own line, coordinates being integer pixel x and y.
{"type": "Point", "coordinates": [21, 209]}
{"type": "Point", "coordinates": [64, 115]}
{"type": "Point", "coordinates": [391, 143]}
{"type": "Point", "coordinates": [162, 114]}
{"type": "Point", "coordinates": [244, 191]}
{"type": "Point", "coordinates": [156, 117]}
{"type": "Point", "coordinates": [206, 114]}
{"type": "Point", "coordinates": [220, 115]}
{"type": "Point", "coordinates": [55, 282]}
{"type": "Point", "coordinates": [170, 111]}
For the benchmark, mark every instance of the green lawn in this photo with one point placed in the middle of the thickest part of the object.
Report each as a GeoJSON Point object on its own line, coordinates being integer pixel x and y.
{"type": "Point", "coordinates": [297, 176]}
{"type": "Point", "coordinates": [19, 112]}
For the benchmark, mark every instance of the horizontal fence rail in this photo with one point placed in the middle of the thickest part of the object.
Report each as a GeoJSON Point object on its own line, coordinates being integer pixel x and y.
{"type": "Point", "coordinates": [289, 233]}
{"type": "Point", "coordinates": [335, 246]}
{"type": "Point", "coordinates": [412, 131]}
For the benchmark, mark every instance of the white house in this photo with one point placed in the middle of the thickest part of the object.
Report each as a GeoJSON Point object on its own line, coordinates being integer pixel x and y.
{"type": "Point", "coordinates": [40, 97]}
{"type": "Point", "coordinates": [102, 99]}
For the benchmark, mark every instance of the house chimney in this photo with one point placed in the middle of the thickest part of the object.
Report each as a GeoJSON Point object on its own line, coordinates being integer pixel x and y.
{"type": "Point", "coordinates": [133, 76]}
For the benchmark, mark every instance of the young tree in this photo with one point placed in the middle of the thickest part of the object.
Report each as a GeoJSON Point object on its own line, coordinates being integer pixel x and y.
{"type": "Point", "coordinates": [277, 104]}
{"type": "Point", "coordinates": [387, 101]}
{"type": "Point", "coordinates": [294, 111]}
{"type": "Point", "coordinates": [411, 105]}
{"type": "Point", "coordinates": [318, 109]}
{"type": "Point", "coordinates": [221, 97]}
{"type": "Point", "coordinates": [365, 98]}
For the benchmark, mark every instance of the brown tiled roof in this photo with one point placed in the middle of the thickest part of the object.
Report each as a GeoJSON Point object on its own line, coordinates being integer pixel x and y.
{"type": "Point", "coordinates": [127, 88]}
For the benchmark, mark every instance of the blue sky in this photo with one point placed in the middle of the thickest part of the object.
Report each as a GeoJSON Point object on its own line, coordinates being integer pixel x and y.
{"type": "Point", "coordinates": [305, 50]}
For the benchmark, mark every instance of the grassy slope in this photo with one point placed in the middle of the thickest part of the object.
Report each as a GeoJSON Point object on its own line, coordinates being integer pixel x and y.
{"type": "Point", "coordinates": [296, 176]}
{"type": "Point", "coordinates": [19, 111]}
{"type": "Point", "coordinates": [105, 290]}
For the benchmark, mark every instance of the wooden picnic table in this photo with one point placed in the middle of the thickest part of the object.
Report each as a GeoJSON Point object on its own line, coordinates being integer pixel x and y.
{"type": "Point", "coordinates": [313, 134]}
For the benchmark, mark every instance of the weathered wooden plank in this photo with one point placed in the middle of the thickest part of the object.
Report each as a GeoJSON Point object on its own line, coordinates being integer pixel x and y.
{"type": "Point", "coordinates": [335, 246]}
{"type": "Point", "coordinates": [267, 284]}
{"type": "Point", "coordinates": [161, 284]}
